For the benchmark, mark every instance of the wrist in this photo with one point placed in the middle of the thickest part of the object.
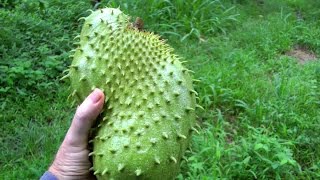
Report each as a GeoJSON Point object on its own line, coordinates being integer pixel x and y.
{"type": "Point", "coordinates": [56, 171]}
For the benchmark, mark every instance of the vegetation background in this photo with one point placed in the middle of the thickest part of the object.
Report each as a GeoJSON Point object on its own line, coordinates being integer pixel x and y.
{"type": "Point", "coordinates": [257, 61]}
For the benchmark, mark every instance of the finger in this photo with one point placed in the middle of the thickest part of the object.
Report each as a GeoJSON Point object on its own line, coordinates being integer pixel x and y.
{"type": "Point", "coordinates": [85, 116]}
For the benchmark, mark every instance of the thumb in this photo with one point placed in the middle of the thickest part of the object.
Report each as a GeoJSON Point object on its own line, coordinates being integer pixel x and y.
{"type": "Point", "coordinates": [86, 114]}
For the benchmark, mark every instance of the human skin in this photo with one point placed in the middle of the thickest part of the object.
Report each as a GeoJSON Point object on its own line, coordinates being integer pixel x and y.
{"type": "Point", "coordinates": [72, 160]}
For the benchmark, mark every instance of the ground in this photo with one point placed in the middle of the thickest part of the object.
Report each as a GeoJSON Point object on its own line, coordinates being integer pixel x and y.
{"type": "Point", "coordinates": [302, 54]}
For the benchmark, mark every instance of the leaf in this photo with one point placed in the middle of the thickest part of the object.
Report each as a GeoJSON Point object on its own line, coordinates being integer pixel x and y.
{"type": "Point", "coordinates": [283, 161]}
{"type": "Point", "coordinates": [4, 89]}
{"type": "Point", "coordinates": [260, 146]}
{"type": "Point", "coordinates": [275, 165]}
{"type": "Point", "coordinates": [246, 160]}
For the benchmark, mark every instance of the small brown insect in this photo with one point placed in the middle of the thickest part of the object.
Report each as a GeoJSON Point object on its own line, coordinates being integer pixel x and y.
{"type": "Point", "coordinates": [138, 24]}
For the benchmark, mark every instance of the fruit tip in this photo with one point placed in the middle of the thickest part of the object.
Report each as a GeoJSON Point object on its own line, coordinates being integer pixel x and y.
{"type": "Point", "coordinates": [82, 18]}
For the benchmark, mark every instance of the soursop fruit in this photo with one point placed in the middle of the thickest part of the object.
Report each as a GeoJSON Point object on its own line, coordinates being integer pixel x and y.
{"type": "Point", "coordinates": [149, 113]}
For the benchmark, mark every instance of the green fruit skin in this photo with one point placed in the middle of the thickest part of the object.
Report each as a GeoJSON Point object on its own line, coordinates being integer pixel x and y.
{"type": "Point", "coordinates": [146, 123]}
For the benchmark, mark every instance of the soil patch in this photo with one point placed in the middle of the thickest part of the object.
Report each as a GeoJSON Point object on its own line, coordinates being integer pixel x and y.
{"type": "Point", "coordinates": [302, 54]}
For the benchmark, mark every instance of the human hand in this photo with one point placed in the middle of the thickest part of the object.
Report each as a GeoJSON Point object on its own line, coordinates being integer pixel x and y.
{"type": "Point", "coordinates": [72, 161]}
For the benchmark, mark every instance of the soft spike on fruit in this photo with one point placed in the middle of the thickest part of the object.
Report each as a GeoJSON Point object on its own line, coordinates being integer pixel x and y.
{"type": "Point", "coordinates": [90, 11]}
{"type": "Point", "coordinates": [185, 158]}
{"type": "Point", "coordinates": [181, 136]}
{"type": "Point", "coordinates": [104, 171]}
{"type": "Point", "coordinates": [165, 135]}
{"type": "Point", "coordinates": [64, 77]}
{"type": "Point", "coordinates": [194, 92]}
{"type": "Point", "coordinates": [120, 167]}
{"type": "Point", "coordinates": [77, 37]}
{"type": "Point", "coordinates": [138, 172]}
{"type": "Point", "coordinates": [196, 80]}
{"type": "Point", "coordinates": [199, 106]}
{"type": "Point", "coordinates": [172, 158]}
{"type": "Point", "coordinates": [82, 18]}
{"type": "Point", "coordinates": [195, 130]}
{"type": "Point", "coordinates": [157, 160]}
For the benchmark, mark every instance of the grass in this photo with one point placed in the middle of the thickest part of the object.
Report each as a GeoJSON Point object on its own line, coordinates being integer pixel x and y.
{"type": "Point", "coordinates": [262, 107]}
{"type": "Point", "coordinates": [31, 131]}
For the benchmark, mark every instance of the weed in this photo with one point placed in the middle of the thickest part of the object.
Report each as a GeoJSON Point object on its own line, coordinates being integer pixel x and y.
{"type": "Point", "coordinates": [182, 18]}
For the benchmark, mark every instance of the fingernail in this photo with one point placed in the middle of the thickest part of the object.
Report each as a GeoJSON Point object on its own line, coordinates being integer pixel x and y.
{"type": "Point", "coordinates": [95, 96]}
